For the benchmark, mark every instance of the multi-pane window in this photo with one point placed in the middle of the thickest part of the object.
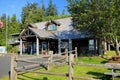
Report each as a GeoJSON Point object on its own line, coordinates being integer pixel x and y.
{"type": "Point", "coordinates": [52, 27]}
{"type": "Point", "coordinates": [91, 44]}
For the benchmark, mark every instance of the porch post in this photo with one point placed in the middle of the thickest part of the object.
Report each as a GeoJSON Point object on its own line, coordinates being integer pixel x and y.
{"type": "Point", "coordinates": [95, 46]}
{"type": "Point", "coordinates": [59, 48]}
{"type": "Point", "coordinates": [70, 44]}
{"type": "Point", "coordinates": [42, 47]}
{"type": "Point", "coordinates": [105, 46]}
{"type": "Point", "coordinates": [37, 46]}
{"type": "Point", "coordinates": [48, 46]}
{"type": "Point", "coordinates": [108, 46]}
{"type": "Point", "coordinates": [20, 46]}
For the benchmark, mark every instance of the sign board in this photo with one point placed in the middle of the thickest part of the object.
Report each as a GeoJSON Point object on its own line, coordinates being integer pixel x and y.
{"type": "Point", "coordinates": [2, 49]}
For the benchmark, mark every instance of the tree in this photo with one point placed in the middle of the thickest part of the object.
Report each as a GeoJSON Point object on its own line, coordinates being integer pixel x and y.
{"type": "Point", "coordinates": [31, 13]}
{"type": "Point", "coordinates": [43, 6]}
{"type": "Point", "coordinates": [63, 12]}
{"type": "Point", "coordinates": [51, 10]}
{"type": "Point", "coordinates": [3, 30]}
{"type": "Point", "coordinates": [14, 26]}
{"type": "Point", "coordinates": [100, 18]}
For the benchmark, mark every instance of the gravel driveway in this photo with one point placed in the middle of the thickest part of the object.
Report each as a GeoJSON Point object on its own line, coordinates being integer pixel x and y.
{"type": "Point", "coordinates": [4, 65]}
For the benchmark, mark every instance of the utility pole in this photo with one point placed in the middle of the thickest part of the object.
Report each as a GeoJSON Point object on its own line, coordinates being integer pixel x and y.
{"type": "Point", "coordinates": [6, 33]}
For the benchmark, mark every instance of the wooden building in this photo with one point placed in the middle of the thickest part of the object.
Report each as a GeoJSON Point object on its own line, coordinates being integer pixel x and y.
{"type": "Point", "coordinates": [56, 35]}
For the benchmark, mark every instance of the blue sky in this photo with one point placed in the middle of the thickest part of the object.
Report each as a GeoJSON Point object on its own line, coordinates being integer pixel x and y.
{"type": "Point", "coordinates": [10, 7]}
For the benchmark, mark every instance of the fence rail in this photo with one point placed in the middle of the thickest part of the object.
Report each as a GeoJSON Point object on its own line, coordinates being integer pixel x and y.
{"type": "Point", "coordinates": [65, 58]}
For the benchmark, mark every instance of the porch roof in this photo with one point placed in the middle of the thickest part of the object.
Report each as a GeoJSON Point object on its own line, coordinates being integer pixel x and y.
{"type": "Point", "coordinates": [42, 33]}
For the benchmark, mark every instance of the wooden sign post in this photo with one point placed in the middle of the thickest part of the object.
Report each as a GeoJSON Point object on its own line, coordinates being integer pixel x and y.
{"type": "Point", "coordinates": [13, 73]}
{"type": "Point", "coordinates": [71, 59]}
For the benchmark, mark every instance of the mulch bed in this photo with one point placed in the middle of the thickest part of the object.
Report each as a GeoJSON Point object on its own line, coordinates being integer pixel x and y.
{"type": "Point", "coordinates": [115, 59]}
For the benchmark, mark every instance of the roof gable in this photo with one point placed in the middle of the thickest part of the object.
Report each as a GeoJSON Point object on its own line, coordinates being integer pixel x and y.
{"type": "Point", "coordinates": [64, 31]}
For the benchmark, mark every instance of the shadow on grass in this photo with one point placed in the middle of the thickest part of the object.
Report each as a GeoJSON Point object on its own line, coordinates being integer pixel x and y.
{"type": "Point", "coordinates": [106, 60]}
{"type": "Point", "coordinates": [44, 78]}
{"type": "Point", "coordinates": [98, 75]}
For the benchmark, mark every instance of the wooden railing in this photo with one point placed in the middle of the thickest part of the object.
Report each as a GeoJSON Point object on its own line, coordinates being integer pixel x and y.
{"type": "Point", "coordinates": [68, 59]}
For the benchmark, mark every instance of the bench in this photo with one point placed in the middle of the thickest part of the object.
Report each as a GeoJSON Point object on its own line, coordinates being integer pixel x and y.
{"type": "Point", "coordinates": [114, 67]}
{"type": "Point", "coordinates": [112, 74]}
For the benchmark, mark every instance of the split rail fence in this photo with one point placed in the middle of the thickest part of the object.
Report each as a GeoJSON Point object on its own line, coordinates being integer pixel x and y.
{"type": "Point", "coordinates": [65, 58]}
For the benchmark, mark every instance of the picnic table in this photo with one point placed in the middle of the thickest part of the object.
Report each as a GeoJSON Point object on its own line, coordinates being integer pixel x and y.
{"type": "Point", "coordinates": [114, 67]}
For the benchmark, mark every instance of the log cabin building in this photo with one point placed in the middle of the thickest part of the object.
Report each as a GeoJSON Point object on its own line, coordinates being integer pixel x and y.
{"type": "Point", "coordinates": [55, 35]}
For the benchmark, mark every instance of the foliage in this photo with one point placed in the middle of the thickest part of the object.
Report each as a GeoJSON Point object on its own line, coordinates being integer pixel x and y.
{"type": "Point", "coordinates": [2, 30]}
{"type": "Point", "coordinates": [14, 26]}
{"type": "Point", "coordinates": [109, 54]}
{"type": "Point", "coordinates": [52, 9]}
{"type": "Point", "coordinates": [31, 13]}
{"type": "Point", "coordinates": [100, 18]}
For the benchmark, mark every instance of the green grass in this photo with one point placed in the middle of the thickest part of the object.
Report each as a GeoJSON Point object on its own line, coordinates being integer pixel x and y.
{"type": "Point", "coordinates": [82, 71]}
{"type": "Point", "coordinates": [110, 53]}
{"type": "Point", "coordinates": [92, 60]}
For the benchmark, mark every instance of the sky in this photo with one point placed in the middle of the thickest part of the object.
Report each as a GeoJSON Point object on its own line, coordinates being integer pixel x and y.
{"type": "Point", "coordinates": [10, 7]}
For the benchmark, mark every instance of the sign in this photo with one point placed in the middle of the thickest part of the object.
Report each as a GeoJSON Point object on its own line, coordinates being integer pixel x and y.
{"type": "Point", "coordinates": [2, 49]}
{"type": "Point", "coordinates": [1, 23]}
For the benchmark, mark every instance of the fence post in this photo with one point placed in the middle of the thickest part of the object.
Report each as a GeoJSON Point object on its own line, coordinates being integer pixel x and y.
{"type": "Point", "coordinates": [66, 54]}
{"type": "Point", "coordinates": [50, 59]}
{"type": "Point", "coordinates": [76, 54]}
{"type": "Point", "coordinates": [71, 58]}
{"type": "Point", "coordinates": [13, 72]}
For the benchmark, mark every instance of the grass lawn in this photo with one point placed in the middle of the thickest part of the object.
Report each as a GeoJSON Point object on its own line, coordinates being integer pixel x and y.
{"type": "Point", "coordinates": [82, 71]}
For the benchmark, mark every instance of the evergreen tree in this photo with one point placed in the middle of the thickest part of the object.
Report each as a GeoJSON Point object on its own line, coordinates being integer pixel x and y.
{"type": "Point", "coordinates": [14, 25]}
{"type": "Point", "coordinates": [63, 12]}
{"type": "Point", "coordinates": [31, 13]}
{"type": "Point", "coordinates": [43, 6]}
{"type": "Point", "coordinates": [100, 18]}
{"type": "Point", "coordinates": [52, 9]}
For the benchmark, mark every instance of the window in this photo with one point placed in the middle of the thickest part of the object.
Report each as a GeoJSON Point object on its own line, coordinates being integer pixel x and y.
{"type": "Point", "coordinates": [91, 44]}
{"type": "Point", "coordinates": [52, 27]}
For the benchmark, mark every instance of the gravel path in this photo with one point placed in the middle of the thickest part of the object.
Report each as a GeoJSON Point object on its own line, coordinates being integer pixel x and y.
{"type": "Point", "coordinates": [4, 65]}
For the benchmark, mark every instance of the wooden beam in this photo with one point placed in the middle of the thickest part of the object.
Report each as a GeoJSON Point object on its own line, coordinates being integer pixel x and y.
{"type": "Point", "coordinates": [37, 46]}
{"type": "Point", "coordinates": [70, 44]}
{"type": "Point", "coordinates": [59, 47]}
{"type": "Point", "coordinates": [20, 46]}
{"type": "Point", "coordinates": [13, 73]}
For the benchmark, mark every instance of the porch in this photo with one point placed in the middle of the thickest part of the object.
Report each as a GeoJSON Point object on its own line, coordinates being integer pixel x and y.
{"type": "Point", "coordinates": [37, 46]}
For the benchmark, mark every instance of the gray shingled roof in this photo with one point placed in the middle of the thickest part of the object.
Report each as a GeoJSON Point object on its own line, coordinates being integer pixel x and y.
{"type": "Point", "coordinates": [64, 31]}
{"type": "Point", "coordinates": [42, 33]}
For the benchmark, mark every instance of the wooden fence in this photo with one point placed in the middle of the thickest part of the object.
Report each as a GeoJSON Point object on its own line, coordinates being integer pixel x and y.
{"type": "Point", "coordinates": [67, 58]}
{"type": "Point", "coordinates": [17, 70]}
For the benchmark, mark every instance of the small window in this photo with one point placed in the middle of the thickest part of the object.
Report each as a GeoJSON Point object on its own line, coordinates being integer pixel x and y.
{"type": "Point", "coordinates": [52, 27]}
{"type": "Point", "coordinates": [91, 44]}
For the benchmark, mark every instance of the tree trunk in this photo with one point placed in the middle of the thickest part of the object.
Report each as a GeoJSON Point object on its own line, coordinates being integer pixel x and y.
{"type": "Point", "coordinates": [100, 47]}
{"type": "Point", "coordinates": [117, 47]}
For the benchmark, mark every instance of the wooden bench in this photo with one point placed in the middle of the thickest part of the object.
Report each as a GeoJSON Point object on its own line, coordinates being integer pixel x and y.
{"type": "Point", "coordinates": [112, 74]}
{"type": "Point", "coordinates": [113, 67]}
